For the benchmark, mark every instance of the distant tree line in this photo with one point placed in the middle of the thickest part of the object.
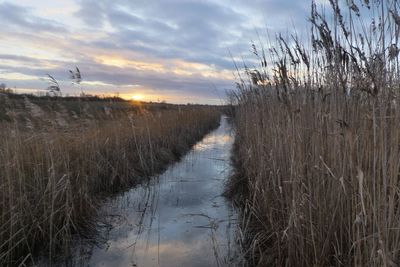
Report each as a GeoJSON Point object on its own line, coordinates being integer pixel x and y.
{"type": "Point", "coordinates": [4, 89]}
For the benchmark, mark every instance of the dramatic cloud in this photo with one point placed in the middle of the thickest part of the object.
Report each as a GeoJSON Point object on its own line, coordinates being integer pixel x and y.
{"type": "Point", "coordinates": [177, 50]}
{"type": "Point", "coordinates": [20, 18]}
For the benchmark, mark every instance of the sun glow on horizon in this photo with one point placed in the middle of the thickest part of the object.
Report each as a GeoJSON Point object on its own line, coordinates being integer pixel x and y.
{"type": "Point", "coordinates": [137, 97]}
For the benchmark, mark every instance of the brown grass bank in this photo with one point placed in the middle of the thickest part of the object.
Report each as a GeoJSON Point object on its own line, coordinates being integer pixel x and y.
{"type": "Point", "coordinates": [55, 170]}
{"type": "Point", "coordinates": [318, 143]}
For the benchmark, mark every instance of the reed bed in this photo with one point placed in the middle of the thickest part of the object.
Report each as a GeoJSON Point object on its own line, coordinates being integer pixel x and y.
{"type": "Point", "coordinates": [317, 148]}
{"type": "Point", "coordinates": [52, 178]}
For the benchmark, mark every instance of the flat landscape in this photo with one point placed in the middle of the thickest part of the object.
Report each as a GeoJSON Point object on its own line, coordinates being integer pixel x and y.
{"type": "Point", "coordinates": [200, 133]}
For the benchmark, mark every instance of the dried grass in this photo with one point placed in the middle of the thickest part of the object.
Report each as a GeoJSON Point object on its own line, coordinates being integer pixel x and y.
{"type": "Point", "coordinates": [318, 144]}
{"type": "Point", "coordinates": [52, 178]}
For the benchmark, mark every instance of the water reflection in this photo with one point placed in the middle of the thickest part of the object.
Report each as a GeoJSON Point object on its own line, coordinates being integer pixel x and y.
{"type": "Point", "coordinates": [180, 219]}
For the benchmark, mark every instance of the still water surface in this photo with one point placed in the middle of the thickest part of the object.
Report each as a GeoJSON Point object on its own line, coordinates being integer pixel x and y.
{"type": "Point", "coordinates": [179, 219]}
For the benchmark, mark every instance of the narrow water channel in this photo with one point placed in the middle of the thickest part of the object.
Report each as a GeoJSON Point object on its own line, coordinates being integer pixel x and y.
{"type": "Point", "coordinates": [180, 218]}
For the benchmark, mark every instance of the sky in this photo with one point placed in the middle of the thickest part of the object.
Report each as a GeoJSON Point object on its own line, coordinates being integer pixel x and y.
{"type": "Point", "coordinates": [179, 51]}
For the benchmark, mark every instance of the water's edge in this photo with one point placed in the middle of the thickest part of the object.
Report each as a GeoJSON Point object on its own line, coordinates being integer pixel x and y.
{"type": "Point", "coordinates": [179, 218]}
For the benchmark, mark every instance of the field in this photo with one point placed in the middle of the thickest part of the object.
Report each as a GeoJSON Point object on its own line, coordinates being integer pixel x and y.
{"type": "Point", "coordinates": [60, 157]}
{"type": "Point", "coordinates": [317, 143]}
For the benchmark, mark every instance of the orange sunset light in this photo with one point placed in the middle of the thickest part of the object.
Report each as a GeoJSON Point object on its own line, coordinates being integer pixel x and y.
{"type": "Point", "coordinates": [137, 97]}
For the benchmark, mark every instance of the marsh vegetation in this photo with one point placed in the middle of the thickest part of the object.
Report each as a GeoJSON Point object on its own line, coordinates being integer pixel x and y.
{"type": "Point", "coordinates": [60, 158]}
{"type": "Point", "coordinates": [317, 142]}
{"type": "Point", "coordinates": [316, 158]}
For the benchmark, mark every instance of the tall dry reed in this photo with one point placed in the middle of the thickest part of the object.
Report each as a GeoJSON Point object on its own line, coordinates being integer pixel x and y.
{"type": "Point", "coordinates": [318, 142]}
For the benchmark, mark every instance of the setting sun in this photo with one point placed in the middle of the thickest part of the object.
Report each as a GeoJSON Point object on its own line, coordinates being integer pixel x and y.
{"type": "Point", "coordinates": [137, 97]}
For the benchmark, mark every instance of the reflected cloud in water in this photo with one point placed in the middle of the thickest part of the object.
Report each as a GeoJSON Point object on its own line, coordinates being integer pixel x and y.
{"type": "Point", "coordinates": [179, 218]}
{"type": "Point", "coordinates": [211, 141]}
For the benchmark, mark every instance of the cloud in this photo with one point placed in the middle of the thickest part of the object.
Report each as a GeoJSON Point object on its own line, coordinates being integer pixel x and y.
{"type": "Point", "coordinates": [92, 12]}
{"type": "Point", "coordinates": [20, 17]}
{"type": "Point", "coordinates": [175, 47]}
{"type": "Point", "coordinates": [171, 29]}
